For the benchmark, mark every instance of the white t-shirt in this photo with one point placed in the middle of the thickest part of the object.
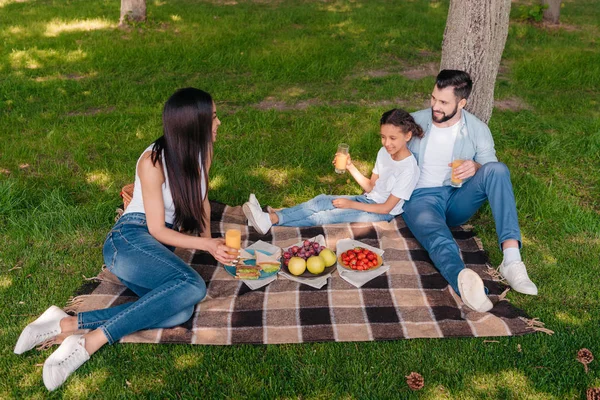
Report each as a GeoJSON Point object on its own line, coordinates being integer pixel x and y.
{"type": "Point", "coordinates": [395, 177]}
{"type": "Point", "coordinates": [438, 155]}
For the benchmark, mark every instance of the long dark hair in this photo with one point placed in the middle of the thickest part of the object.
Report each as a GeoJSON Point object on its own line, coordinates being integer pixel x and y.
{"type": "Point", "coordinates": [403, 120]}
{"type": "Point", "coordinates": [187, 137]}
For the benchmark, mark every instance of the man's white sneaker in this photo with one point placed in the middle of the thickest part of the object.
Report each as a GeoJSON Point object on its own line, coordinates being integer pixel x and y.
{"type": "Point", "coordinates": [516, 276]}
{"type": "Point", "coordinates": [257, 218]}
{"type": "Point", "coordinates": [45, 327]}
{"type": "Point", "coordinates": [69, 356]}
{"type": "Point", "coordinates": [472, 291]}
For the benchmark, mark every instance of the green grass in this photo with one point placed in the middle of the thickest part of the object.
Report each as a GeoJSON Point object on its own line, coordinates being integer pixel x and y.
{"type": "Point", "coordinates": [80, 99]}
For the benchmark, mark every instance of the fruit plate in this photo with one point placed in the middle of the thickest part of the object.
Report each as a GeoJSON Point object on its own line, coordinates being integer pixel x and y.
{"type": "Point", "coordinates": [347, 244]}
{"type": "Point", "coordinates": [306, 274]}
{"type": "Point", "coordinates": [263, 275]}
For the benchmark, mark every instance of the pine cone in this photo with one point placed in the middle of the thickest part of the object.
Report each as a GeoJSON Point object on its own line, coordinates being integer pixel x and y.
{"type": "Point", "coordinates": [585, 357]}
{"type": "Point", "coordinates": [593, 393]}
{"type": "Point", "coordinates": [415, 381]}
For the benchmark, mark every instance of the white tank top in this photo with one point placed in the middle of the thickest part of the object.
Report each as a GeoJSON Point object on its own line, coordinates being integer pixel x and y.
{"type": "Point", "coordinates": [137, 202]}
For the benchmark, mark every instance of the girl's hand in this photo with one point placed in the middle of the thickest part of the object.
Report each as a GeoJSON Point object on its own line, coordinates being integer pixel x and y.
{"type": "Point", "coordinates": [222, 253]}
{"type": "Point", "coordinates": [348, 160]}
{"type": "Point", "coordinates": [342, 203]}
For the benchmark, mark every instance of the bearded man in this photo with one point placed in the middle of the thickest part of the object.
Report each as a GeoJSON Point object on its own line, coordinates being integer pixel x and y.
{"type": "Point", "coordinates": [444, 198]}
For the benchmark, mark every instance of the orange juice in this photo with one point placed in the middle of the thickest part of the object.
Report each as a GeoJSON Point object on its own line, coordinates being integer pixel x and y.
{"type": "Point", "coordinates": [453, 179]}
{"type": "Point", "coordinates": [233, 239]}
{"type": "Point", "coordinates": [340, 162]}
{"type": "Point", "coordinates": [341, 158]}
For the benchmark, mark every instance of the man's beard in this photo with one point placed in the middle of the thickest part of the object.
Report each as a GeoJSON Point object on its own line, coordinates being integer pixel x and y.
{"type": "Point", "coordinates": [445, 117]}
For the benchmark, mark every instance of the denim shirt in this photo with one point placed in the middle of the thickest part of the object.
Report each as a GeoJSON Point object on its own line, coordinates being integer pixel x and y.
{"type": "Point", "coordinates": [473, 142]}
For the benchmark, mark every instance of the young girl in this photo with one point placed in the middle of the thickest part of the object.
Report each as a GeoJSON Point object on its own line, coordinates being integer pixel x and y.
{"type": "Point", "coordinates": [394, 177]}
{"type": "Point", "coordinates": [170, 194]}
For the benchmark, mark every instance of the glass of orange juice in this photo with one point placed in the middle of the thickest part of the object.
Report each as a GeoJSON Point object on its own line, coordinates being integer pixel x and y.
{"type": "Point", "coordinates": [233, 239]}
{"type": "Point", "coordinates": [341, 158]}
{"type": "Point", "coordinates": [454, 181]}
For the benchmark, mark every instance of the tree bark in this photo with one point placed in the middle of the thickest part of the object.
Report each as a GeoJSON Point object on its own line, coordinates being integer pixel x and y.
{"type": "Point", "coordinates": [133, 10]}
{"type": "Point", "coordinates": [552, 13]}
{"type": "Point", "coordinates": [474, 40]}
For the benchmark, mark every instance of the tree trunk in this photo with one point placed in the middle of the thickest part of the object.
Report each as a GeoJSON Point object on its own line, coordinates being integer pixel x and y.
{"type": "Point", "coordinates": [552, 13]}
{"type": "Point", "coordinates": [133, 10]}
{"type": "Point", "coordinates": [474, 40]}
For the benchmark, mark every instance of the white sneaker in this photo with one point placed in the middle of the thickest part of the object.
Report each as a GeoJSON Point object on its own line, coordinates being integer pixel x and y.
{"type": "Point", "coordinates": [69, 356]}
{"type": "Point", "coordinates": [252, 200]}
{"type": "Point", "coordinates": [515, 274]}
{"type": "Point", "coordinates": [257, 218]}
{"type": "Point", "coordinates": [472, 291]}
{"type": "Point", "coordinates": [45, 327]}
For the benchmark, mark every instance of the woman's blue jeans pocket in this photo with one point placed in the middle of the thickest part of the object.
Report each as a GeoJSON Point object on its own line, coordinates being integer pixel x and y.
{"type": "Point", "coordinates": [109, 252]}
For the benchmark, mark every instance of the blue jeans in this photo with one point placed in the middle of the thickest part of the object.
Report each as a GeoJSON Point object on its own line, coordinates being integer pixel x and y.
{"type": "Point", "coordinates": [168, 287]}
{"type": "Point", "coordinates": [431, 211]}
{"type": "Point", "coordinates": [321, 211]}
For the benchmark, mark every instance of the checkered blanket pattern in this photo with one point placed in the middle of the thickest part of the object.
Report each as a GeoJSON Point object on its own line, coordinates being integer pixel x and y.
{"type": "Point", "coordinates": [411, 300]}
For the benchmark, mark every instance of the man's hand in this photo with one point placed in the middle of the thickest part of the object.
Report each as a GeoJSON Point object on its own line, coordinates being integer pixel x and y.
{"type": "Point", "coordinates": [342, 203]}
{"type": "Point", "coordinates": [466, 170]}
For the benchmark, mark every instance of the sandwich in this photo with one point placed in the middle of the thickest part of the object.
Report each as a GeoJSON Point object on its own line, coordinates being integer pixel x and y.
{"type": "Point", "coordinates": [247, 272]}
{"type": "Point", "coordinates": [268, 263]}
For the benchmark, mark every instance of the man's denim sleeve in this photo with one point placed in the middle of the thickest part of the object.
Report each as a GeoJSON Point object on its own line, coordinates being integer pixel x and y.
{"type": "Point", "coordinates": [484, 142]}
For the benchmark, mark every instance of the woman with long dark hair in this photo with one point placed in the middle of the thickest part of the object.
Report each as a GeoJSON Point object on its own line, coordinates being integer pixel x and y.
{"type": "Point", "coordinates": [170, 195]}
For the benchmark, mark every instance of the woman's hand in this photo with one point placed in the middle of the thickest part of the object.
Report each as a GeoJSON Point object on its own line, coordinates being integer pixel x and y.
{"type": "Point", "coordinates": [342, 203]}
{"type": "Point", "coordinates": [222, 253]}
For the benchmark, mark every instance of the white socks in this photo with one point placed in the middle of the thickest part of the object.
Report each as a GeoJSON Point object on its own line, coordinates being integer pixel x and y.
{"type": "Point", "coordinates": [511, 254]}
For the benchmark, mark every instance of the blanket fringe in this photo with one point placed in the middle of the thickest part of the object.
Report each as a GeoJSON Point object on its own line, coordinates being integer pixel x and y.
{"type": "Point", "coordinates": [536, 325]}
{"type": "Point", "coordinates": [73, 303]}
{"type": "Point", "coordinates": [495, 274]}
{"type": "Point", "coordinates": [502, 296]}
{"type": "Point", "coordinates": [47, 344]}
{"type": "Point", "coordinates": [97, 278]}
{"type": "Point", "coordinates": [119, 212]}
{"type": "Point", "coordinates": [93, 278]}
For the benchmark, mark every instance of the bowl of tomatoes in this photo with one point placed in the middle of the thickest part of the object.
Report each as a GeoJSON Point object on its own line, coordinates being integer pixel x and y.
{"type": "Point", "coordinates": [356, 256]}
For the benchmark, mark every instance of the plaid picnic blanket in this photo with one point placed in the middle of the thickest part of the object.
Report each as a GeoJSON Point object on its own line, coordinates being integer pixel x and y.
{"type": "Point", "coordinates": [411, 300]}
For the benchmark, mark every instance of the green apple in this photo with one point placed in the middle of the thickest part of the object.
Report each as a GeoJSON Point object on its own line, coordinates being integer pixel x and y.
{"type": "Point", "coordinates": [297, 266]}
{"type": "Point", "coordinates": [315, 265]}
{"type": "Point", "coordinates": [328, 257]}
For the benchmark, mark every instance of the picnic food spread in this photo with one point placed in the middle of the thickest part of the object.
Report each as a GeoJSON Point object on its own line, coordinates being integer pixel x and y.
{"type": "Point", "coordinates": [307, 260]}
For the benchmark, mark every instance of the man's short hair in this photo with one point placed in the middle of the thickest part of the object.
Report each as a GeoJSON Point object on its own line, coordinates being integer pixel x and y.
{"type": "Point", "coordinates": [459, 80]}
